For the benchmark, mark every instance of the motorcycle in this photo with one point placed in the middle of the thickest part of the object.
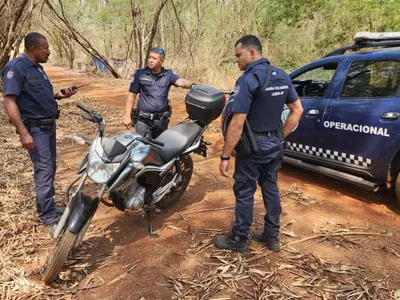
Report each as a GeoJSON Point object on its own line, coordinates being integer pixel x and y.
{"type": "Point", "coordinates": [136, 172]}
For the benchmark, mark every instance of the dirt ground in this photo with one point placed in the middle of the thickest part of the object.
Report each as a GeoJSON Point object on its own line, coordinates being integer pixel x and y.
{"type": "Point", "coordinates": [339, 241]}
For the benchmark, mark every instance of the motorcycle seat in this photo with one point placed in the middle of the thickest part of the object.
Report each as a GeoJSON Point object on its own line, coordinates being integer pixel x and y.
{"type": "Point", "coordinates": [176, 139]}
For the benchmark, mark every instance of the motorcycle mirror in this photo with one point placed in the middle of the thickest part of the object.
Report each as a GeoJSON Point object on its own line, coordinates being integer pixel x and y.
{"type": "Point", "coordinates": [79, 140]}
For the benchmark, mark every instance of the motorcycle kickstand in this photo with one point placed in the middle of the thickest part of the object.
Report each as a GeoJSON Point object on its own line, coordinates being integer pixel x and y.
{"type": "Point", "coordinates": [150, 223]}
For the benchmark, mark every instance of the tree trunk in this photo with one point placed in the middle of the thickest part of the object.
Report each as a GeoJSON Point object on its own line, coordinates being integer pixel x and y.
{"type": "Point", "coordinates": [136, 15]}
{"type": "Point", "coordinates": [16, 48]}
{"type": "Point", "coordinates": [16, 19]}
{"type": "Point", "coordinates": [70, 53]}
{"type": "Point", "coordinates": [154, 26]}
{"type": "Point", "coordinates": [162, 34]}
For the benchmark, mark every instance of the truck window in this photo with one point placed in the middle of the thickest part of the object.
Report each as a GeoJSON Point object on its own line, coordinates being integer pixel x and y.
{"type": "Point", "coordinates": [372, 79]}
{"type": "Point", "coordinates": [314, 83]}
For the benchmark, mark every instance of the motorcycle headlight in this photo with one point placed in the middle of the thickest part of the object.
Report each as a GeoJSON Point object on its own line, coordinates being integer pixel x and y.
{"type": "Point", "coordinates": [98, 171]}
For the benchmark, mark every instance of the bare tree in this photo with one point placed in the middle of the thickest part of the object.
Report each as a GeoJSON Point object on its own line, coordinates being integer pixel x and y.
{"type": "Point", "coordinates": [69, 52]}
{"type": "Point", "coordinates": [78, 37]}
{"type": "Point", "coordinates": [62, 43]}
{"type": "Point", "coordinates": [155, 25]}
{"type": "Point", "coordinates": [137, 37]}
{"type": "Point", "coordinates": [142, 42]}
{"type": "Point", "coordinates": [16, 16]}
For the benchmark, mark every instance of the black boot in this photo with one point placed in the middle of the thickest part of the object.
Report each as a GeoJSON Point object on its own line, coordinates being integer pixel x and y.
{"type": "Point", "coordinates": [271, 243]}
{"type": "Point", "coordinates": [232, 242]}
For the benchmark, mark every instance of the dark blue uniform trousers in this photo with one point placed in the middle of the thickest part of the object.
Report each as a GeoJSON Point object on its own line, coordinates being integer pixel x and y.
{"type": "Point", "coordinates": [44, 161]}
{"type": "Point", "coordinates": [152, 128]}
{"type": "Point", "coordinates": [262, 168]}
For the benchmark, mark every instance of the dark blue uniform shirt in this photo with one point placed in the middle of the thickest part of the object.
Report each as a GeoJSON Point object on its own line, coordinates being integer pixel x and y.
{"type": "Point", "coordinates": [35, 98]}
{"type": "Point", "coordinates": [153, 89]}
{"type": "Point", "coordinates": [263, 108]}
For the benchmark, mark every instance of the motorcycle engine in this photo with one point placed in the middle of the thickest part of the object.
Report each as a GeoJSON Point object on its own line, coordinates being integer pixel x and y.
{"type": "Point", "coordinates": [133, 196]}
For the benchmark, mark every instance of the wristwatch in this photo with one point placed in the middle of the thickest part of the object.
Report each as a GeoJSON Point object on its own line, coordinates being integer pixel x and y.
{"type": "Point", "coordinates": [222, 157]}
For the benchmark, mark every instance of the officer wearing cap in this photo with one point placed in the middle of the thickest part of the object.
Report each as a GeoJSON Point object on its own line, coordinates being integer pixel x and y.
{"type": "Point", "coordinates": [31, 107]}
{"type": "Point", "coordinates": [260, 95]}
{"type": "Point", "coordinates": [153, 84]}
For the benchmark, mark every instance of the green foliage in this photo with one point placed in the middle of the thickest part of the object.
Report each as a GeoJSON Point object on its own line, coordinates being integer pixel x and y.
{"type": "Point", "coordinates": [317, 27]}
{"type": "Point", "coordinates": [199, 35]}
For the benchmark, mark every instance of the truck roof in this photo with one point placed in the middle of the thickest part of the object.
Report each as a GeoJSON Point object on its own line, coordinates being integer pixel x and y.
{"type": "Point", "coordinates": [389, 41]}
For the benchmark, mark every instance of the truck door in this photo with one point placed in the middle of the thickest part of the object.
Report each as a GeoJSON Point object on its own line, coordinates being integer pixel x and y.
{"type": "Point", "coordinates": [362, 118]}
{"type": "Point", "coordinates": [314, 87]}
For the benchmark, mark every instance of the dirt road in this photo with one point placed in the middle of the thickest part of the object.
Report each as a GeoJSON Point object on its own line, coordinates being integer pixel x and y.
{"type": "Point", "coordinates": [340, 240]}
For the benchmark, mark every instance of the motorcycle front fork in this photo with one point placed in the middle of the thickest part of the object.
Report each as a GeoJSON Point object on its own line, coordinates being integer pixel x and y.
{"type": "Point", "coordinates": [64, 218]}
{"type": "Point", "coordinates": [77, 222]}
{"type": "Point", "coordinates": [83, 231]}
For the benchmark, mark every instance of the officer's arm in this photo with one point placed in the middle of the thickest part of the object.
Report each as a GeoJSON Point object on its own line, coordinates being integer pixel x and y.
{"type": "Point", "coordinates": [187, 84]}
{"type": "Point", "coordinates": [233, 134]}
{"type": "Point", "coordinates": [130, 103]}
{"type": "Point", "coordinates": [296, 110]}
{"type": "Point", "coordinates": [10, 104]}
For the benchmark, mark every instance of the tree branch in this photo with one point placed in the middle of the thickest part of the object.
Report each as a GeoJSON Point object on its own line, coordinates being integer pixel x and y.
{"type": "Point", "coordinates": [80, 39]}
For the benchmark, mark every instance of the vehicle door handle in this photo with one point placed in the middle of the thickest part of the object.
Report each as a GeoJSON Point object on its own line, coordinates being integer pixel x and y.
{"type": "Point", "coordinates": [392, 115]}
{"type": "Point", "coordinates": [313, 112]}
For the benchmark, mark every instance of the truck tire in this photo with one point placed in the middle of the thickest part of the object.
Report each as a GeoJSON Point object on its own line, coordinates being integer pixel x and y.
{"type": "Point", "coordinates": [398, 187]}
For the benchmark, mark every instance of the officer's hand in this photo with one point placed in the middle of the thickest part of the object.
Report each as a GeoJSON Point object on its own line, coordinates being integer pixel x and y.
{"type": "Point", "coordinates": [66, 93]}
{"type": "Point", "coordinates": [27, 141]}
{"type": "Point", "coordinates": [223, 168]}
{"type": "Point", "coordinates": [128, 122]}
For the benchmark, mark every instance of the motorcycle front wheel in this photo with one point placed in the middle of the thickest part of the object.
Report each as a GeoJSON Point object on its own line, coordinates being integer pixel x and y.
{"type": "Point", "coordinates": [176, 193]}
{"type": "Point", "coordinates": [59, 257]}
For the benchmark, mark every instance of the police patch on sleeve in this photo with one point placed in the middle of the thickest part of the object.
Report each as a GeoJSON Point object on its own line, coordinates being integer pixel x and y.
{"type": "Point", "coordinates": [132, 79]}
{"type": "Point", "coordinates": [285, 115]}
{"type": "Point", "coordinates": [237, 90]}
{"type": "Point", "coordinates": [10, 74]}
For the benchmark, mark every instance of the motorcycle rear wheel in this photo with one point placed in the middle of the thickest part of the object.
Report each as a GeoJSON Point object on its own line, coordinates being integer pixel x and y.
{"type": "Point", "coordinates": [59, 257]}
{"type": "Point", "coordinates": [176, 193]}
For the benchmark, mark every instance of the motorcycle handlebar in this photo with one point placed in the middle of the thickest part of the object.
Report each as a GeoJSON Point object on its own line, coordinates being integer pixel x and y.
{"type": "Point", "coordinates": [94, 117]}
{"type": "Point", "coordinates": [82, 116]}
{"type": "Point", "coordinates": [84, 108]}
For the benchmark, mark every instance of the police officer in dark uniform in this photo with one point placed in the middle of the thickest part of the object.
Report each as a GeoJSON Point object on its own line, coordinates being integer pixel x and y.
{"type": "Point", "coordinates": [262, 107]}
{"type": "Point", "coordinates": [153, 84]}
{"type": "Point", "coordinates": [31, 107]}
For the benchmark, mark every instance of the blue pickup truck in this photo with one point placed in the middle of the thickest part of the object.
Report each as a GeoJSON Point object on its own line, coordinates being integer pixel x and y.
{"type": "Point", "coordinates": [350, 128]}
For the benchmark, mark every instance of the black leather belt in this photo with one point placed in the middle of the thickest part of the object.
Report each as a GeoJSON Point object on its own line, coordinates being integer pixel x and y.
{"type": "Point", "coordinates": [39, 122]}
{"type": "Point", "coordinates": [272, 133]}
{"type": "Point", "coordinates": [152, 116]}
